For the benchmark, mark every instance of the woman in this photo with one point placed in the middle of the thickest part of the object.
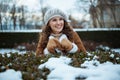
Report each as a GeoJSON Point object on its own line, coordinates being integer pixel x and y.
{"type": "Point", "coordinates": [57, 35]}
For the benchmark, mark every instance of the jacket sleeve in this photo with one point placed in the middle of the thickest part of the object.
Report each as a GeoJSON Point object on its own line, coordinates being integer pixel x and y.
{"type": "Point", "coordinates": [78, 42]}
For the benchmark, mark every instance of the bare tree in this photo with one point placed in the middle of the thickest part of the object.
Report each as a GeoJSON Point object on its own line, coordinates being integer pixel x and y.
{"type": "Point", "coordinates": [0, 18]}
{"type": "Point", "coordinates": [112, 7]}
{"type": "Point", "coordinates": [13, 11]}
{"type": "Point", "coordinates": [22, 17]}
{"type": "Point", "coordinates": [99, 9]}
{"type": "Point", "coordinates": [104, 8]}
{"type": "Point", "coordinates": [82, 6]}
{"type": "Point", "coordinates": [95, 14]}
{"type": "Point", "coordinates": [43, 8]}
{"type": "Point", "coordinates": [1, 8]}
{"type": "Point", "coordinates": [3, 16]}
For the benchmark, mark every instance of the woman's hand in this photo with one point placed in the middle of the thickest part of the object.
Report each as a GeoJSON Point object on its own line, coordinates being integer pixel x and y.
{"type": "Point", "coordinates": [66, 44]}
{"type": "Point", "coordinates": [53, 43]}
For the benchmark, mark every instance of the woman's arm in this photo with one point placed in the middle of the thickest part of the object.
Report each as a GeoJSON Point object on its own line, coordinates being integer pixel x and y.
{"type": "Point", "coordinates": [78, 42]}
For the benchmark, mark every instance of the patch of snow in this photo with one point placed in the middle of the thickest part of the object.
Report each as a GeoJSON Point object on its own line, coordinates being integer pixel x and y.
{"type": "Point", "coordinates": [112, 55]}
{"type": "Point", "coordinates": [116, 50]}
{"type": "Point", "coordinates": [61, 70]}
{"type": "Point", "coordinates": [11, 74]}
{"type": "Point", "coordinates": [3, 51]}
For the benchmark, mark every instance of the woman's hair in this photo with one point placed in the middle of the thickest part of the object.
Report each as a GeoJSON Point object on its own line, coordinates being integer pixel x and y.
{"type": "Point", "coordinates": [46, 31]}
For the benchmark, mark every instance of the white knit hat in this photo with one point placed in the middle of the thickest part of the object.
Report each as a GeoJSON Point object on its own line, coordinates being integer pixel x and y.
{"type": "Point", "coordinates": [52, 13]}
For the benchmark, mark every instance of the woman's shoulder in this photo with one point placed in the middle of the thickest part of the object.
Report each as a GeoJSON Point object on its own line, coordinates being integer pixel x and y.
{"type": "Point", "coordinates": [74, 32]}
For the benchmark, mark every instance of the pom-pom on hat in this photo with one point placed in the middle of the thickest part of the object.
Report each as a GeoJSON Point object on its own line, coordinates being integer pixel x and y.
{"type": "Point", "coordinates": [52, 13]}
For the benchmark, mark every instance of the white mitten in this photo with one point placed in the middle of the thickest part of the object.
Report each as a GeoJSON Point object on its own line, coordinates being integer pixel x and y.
{"type": "Point", "coordinates": [62, 37]}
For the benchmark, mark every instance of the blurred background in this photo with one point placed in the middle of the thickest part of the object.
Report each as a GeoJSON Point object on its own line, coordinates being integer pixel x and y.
{"type": "Point", "coordinates": [28, 14]}
{"type": "Point", "coordinates": [96, 21]}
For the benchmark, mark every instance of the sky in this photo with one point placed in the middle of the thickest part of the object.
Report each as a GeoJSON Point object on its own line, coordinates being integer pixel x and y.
{"type": "Point", "coordinates": [35, 5]}
{"type": "Point", "coordinates": [32, 5]}
{"type": "Point", "coordinates": [62, 4]}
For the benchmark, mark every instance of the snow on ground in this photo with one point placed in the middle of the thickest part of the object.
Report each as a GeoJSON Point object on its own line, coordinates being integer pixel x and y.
{"type": "Point", "coordinates": [11, 74]}
{"type": "Point", "coordinates": [116, 50]}
{"type": "Point", "coordinates": [3, 51]}
{"type": "Point", "coordinates": [60, 70]}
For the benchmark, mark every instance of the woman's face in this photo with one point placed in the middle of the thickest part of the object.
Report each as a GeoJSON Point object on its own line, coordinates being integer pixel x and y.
{"type": "Point", "coordinates": [56, 24]}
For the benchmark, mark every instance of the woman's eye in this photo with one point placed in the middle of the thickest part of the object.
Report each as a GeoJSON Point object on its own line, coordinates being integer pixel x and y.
{"type": "Point", "coordinates": [61, 19]}
{"type": "Point", "coordinates": [54, 20]}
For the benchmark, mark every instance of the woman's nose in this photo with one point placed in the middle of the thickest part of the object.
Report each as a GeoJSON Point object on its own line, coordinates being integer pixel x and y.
{"type": "Point", "coordinates": [58, 21]}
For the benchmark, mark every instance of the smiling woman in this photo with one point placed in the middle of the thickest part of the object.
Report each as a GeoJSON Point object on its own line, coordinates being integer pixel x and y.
{"type": "Point", "coordinates": [58, 36]}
